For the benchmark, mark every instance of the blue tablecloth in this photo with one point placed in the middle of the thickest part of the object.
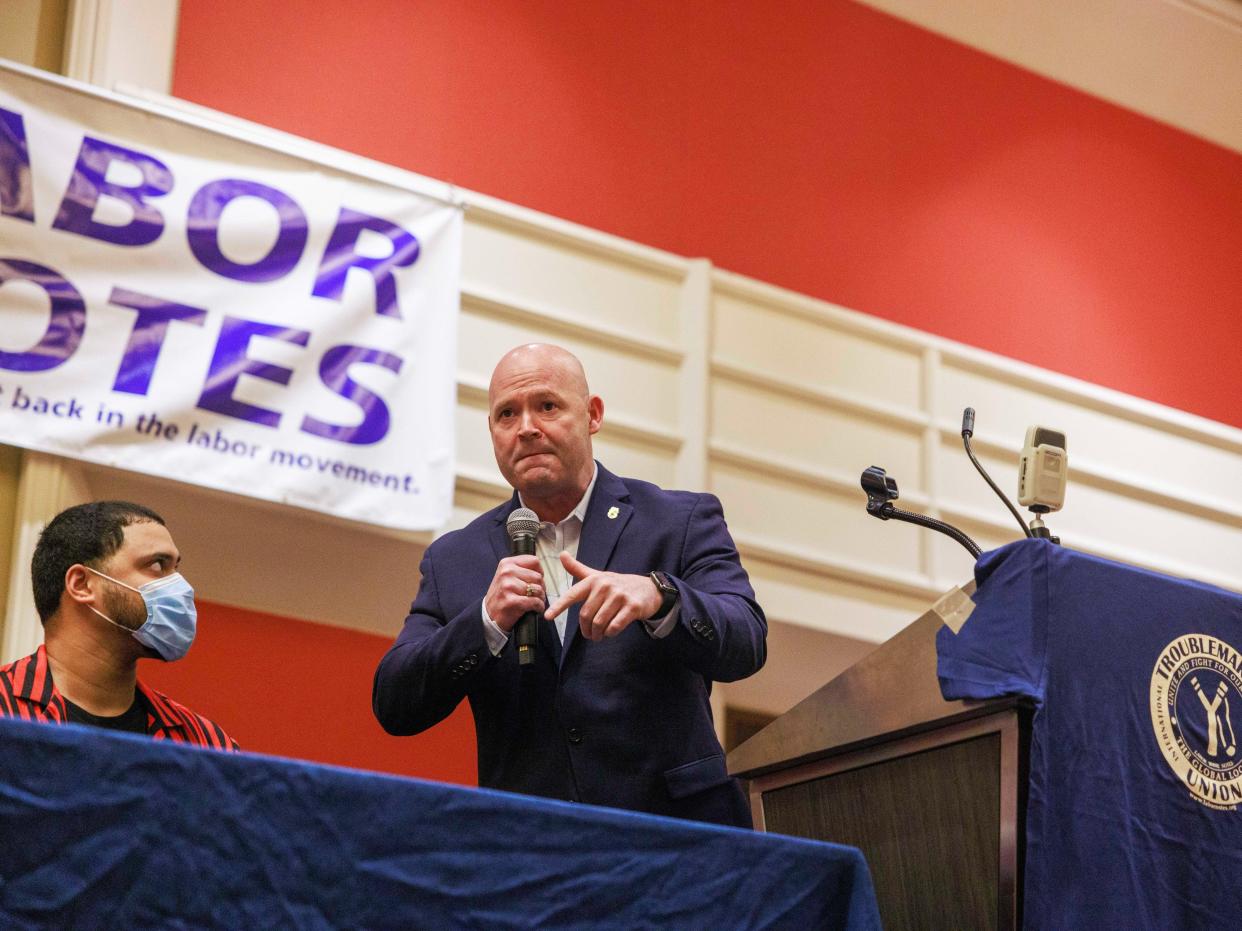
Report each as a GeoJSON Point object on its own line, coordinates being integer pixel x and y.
{"type": "Point", "coordinates": [1133, 817]}
{"type": "Point", "coordinates": [106, 830]}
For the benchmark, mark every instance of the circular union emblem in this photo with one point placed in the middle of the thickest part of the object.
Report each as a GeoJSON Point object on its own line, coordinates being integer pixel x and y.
{"type": "Point", "coordinates": [1196, 712]}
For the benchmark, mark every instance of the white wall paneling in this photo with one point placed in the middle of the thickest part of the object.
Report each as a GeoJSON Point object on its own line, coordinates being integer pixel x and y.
{"type": "Point", "coordinates": [47, 486]}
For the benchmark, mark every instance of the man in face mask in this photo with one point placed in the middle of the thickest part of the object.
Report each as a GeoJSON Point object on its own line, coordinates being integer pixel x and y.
{"type": "Point", "coordinates": [108, 592]}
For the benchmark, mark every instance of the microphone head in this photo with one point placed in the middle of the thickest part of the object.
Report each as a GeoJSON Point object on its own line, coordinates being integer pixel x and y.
{"type": "Point", "coordinates": [880, 488]}
{"type": "Point", "coordinates": [522, 522]}
{"type": "Point", "coordinates": [968, 422]}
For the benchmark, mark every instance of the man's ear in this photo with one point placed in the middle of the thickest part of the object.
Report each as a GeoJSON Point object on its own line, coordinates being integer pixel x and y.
{"type": "Point", "coordinates": [79, 582]}
{"type": "Point", "coordinates": [595, 412]}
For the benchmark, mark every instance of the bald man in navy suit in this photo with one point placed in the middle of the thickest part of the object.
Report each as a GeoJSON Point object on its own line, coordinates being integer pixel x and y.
{"type": "Point", "coordinates": [644, 603]}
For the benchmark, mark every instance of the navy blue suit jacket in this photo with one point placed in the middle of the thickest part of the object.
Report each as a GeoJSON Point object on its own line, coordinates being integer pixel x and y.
{"type": "Point", "coordinates": [625, 721]}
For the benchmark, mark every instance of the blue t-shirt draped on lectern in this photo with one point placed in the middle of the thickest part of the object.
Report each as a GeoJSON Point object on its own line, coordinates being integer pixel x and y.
{"type": "Point", "coordinates": [1134, 815]}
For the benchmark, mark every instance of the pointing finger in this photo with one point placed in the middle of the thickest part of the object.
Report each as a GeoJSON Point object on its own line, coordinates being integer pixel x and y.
{"type": "Point", "coordinates": [577, 569]}
{"type": "Point", "coordinates": [574, 594]}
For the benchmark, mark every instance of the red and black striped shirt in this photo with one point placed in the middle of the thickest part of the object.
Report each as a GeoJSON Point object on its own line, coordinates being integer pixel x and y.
{"type": "Point", "coordinates": [27, 692]}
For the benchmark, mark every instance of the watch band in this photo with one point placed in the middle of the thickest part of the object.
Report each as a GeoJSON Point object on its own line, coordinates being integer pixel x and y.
{"type": "Point", "coordinates": [668, 594]}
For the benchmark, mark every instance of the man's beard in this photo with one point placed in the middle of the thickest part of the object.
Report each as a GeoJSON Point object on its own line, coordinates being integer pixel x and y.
{"type": "Point", "coordinates": [119, 604]}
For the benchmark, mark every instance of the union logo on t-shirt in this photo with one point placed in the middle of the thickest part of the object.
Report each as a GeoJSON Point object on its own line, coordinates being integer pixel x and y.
{"type": "Point", "coordinates": [1196, 692]}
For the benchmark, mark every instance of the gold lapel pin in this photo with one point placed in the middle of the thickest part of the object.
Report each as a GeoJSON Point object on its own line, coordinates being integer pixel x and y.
{"type": "Point", "coordinates": [613, 512]}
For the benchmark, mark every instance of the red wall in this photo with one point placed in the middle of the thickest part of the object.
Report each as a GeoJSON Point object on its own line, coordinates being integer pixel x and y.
{"type": "Point", "coordinates": [293, 688]}
{"type": "Point", "coordinates": [822, 146]}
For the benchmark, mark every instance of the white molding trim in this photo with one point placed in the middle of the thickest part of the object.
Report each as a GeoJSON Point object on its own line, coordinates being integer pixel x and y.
{"type": "Point", "coordinates": [992, 365]}
{"type": "Point", "coordinates": [47, 486]}
{"type": "Point", "coordinates": [111, 42]}
{"type": "Point", "coordinates": [820, 312]}
{"type": "Point", "coordinates": [1000, 523]}
{"type": "Point", "coordinates": [495, 304]}
{"type": "Point", "coordinates": [481, 483]}
{"type": "Point", "coordinates": [902, 417]}
{"type": "Point", "coordinates": [1108, 478]}
{"type": "Point", "coordinates": [1094, 397]}
{"type": "Point", "coordinates": [582, 239]}
{"type": "Point", "coordinates": [694, 401]}
{"type": "Point", "coordinates": [86, 40]}
{"type": "Point", "coordinates": [771, 465]}
{"type": "Point", "coordinates": [900, 583]}
{"type": "Point", "coordinates": [929, 454]}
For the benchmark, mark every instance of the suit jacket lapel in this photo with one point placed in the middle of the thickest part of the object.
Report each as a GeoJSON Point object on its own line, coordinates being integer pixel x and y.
{"type": "Point", "coordinates": [607, 514]}
{"type": "Point", "coordinates": [499, 536]}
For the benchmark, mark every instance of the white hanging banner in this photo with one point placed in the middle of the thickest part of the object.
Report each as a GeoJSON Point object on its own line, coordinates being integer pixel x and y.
{"type": "Point", "coordinates": [182, 301]}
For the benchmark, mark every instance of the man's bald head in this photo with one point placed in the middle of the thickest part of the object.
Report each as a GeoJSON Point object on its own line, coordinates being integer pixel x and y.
{"type": "Point", "coordinates": [551, 360]}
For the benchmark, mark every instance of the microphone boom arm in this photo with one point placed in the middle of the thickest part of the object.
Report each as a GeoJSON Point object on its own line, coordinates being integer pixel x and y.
{"type": "Point", "coordinates": [882, 492]}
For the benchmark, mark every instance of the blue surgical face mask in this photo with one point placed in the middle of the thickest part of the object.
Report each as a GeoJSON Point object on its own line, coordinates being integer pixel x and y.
{"type": "Point", "coordinates": [171, 615]}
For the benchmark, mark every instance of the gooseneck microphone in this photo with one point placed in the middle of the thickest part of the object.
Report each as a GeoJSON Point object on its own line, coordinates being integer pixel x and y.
{"type": "Point", "coordinates": [523, 527]}
{"type": "Point", "coordinates": [968, 430]}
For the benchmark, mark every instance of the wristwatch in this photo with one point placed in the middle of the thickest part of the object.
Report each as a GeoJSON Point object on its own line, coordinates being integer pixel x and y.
{"type": "Point", "coordinates": [668, 592]}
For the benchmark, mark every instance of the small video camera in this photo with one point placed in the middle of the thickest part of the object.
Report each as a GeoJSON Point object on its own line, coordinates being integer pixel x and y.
{"type": "Point", "coordinates": [1042, 470]}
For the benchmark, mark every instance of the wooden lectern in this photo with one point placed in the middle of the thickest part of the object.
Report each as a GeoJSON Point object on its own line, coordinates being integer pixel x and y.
{"type": "Point", "coordinates": [931, 791]}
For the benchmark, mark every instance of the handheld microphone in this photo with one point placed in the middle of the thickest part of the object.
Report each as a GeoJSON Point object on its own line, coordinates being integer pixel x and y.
{"type": "Point", "coordinates": [523, 528]}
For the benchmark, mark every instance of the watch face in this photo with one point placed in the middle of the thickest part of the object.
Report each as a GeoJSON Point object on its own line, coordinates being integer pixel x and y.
{"type": "Point", "coordinates": [668, 593]}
